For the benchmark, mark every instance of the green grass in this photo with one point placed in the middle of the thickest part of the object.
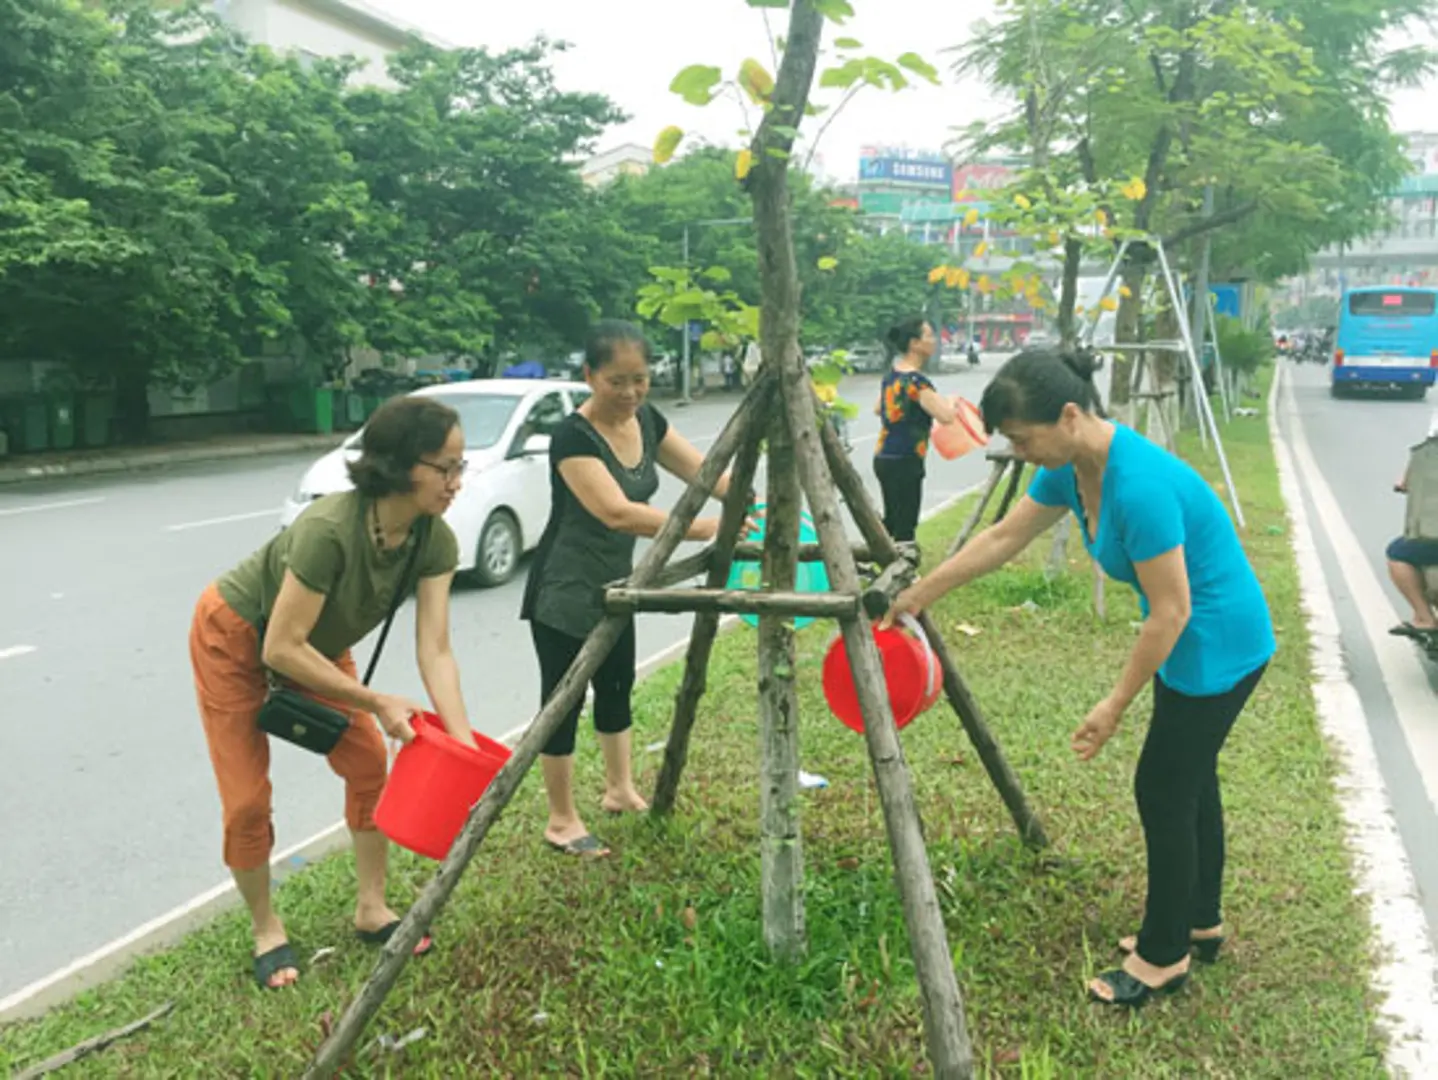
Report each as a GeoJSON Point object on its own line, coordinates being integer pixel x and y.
{"type": "Point", "coordinates": [652, 964]}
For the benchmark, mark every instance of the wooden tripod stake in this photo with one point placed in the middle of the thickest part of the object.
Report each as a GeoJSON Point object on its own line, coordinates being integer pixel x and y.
{"type": "Point", "coordinates": [804, 460]}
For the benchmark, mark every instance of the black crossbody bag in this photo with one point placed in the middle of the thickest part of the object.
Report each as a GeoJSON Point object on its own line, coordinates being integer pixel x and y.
{"type": "Point", "coordinates": [298, 718]}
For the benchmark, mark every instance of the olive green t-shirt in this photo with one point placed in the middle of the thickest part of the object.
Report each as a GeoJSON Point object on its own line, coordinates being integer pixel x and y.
{"type": "Point", "coordinates": [330, 549]}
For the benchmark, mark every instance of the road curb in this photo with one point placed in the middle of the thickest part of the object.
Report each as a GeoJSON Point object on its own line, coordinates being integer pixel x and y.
{"type": "Point", "coordinates": [1406, 971]}
{"type": "Point", "coordinates": [19, 472]}
{"type": "Point", "coordinates": [111, 960]}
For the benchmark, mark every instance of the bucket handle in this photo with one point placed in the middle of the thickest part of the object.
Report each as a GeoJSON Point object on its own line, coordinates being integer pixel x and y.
{"type": "Point", "coordinates": [912, 624]}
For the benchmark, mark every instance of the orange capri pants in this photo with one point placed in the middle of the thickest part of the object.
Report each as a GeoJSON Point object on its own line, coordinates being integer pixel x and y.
{"type": "Point", "coordinates": [230, 684]}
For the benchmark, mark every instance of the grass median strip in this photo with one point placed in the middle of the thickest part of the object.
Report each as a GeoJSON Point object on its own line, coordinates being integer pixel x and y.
{"type": "Point", "coordinates": [652, 962]}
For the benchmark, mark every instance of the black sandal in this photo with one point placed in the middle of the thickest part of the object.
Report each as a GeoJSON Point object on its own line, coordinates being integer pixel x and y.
{"type": "Point", "coordinates": [584, 847]}
{"type": "Point", "coordinates": [1424, 635]}
{"type": "Point", "coordinates": [1130, 992]}
{"type": "Point", "coordinates": [385, 932]}
{"type": "Point", "coordinates": [270, 964]}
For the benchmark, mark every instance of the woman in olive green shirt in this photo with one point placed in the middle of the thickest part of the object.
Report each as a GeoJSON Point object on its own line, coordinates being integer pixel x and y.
{"type": "Point", "coordinates": [317, 589]}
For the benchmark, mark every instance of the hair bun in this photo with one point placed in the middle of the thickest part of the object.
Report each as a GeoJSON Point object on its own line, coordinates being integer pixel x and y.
{"type": "Point", "coordinates": [1082, 362]}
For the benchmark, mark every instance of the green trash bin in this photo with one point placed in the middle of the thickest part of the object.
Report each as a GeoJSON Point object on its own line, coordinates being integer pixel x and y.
{"type": "Point", "coordinates": [97, 412]}
{"type": "Point", "coordinates": [27, 422]}
{"type": "Point", "coordinates": [355, 409]}
{"type": "Point", "coordinates": [63, 423]}
{"type": "Point", "coordinates": [313, 410]}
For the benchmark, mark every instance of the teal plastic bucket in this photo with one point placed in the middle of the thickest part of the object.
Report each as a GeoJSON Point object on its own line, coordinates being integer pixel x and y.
{"type": "Point", "coordinates": [810, 577]}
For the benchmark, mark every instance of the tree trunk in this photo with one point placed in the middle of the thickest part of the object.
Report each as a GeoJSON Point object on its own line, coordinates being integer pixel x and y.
{"type": "Point", "coordinates": [946, 1035]}
{"type": "Point", "coordinates": [1068, 293]}
{"type": "Point", "coordinates": [1128, 329]}
{"type": "Point", "coordinates": [781, 847]}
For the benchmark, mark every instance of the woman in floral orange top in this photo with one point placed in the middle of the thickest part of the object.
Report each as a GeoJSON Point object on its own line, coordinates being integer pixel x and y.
{"type": "Point", "coordinates": [908, 407]}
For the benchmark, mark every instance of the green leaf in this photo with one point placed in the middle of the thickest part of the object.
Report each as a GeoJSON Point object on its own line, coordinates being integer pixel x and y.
{"type": "Point", "coordinates": [827, 262]}
{"type": "Point", "coordinates": [848, 43]}
{"type": "Point", "coordinates": [718, 274]}
{"type": "Point", "coordinates": [843, 76]}
{"type": "Point", "coordinates": [767, 3]}
{"type": "Point", "coordinates": [834, 10]}
{"type": "Point", "coordinates": [919, 66]}
{"type": "Point", "coordinates": [786, 130]}
{"type": "Point", "coordinates": [695, 84]}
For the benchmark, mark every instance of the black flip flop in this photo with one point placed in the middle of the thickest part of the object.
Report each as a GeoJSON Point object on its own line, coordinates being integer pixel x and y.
{"type": "Point", "coordinates": [268, 965]}
{"type": "Point", "coordinates": [1424, 635]}
{"type": "Point", "coordinates": [385, 932]}
{"type": "Point", "coordinates": [585, 847]}
{"type": "Point", "coordinates": [1130, 992]}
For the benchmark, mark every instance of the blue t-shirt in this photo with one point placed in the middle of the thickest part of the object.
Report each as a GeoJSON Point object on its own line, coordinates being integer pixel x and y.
{"type": "Point", "coordinates": [1152, 502]}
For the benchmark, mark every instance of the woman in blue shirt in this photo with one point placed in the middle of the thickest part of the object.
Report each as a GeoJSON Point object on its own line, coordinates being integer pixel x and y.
{"type": "Point", "coordinates": [1151, 521]}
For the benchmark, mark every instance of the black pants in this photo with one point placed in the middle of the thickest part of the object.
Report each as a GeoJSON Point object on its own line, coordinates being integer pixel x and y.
{"type": "Point", "coordinates": [612, 683]}
{"type": "Point", "coordinates": [1182, 813]}
{"type": "Point", "coordinates": [901, 479]}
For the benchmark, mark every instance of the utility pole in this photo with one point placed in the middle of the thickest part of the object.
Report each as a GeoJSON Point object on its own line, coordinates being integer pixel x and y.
{"type": "Point", "coordinates": [684, 398]}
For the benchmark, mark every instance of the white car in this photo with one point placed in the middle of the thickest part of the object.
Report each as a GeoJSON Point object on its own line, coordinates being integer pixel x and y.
{"type": "Point", "coordinates": [503, 505]}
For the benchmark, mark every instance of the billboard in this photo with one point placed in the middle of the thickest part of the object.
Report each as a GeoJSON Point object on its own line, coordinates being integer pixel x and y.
{"type": "Point", "coordinates": [911, 171]}
{"type": "Point", "coordinates": [973, 181]}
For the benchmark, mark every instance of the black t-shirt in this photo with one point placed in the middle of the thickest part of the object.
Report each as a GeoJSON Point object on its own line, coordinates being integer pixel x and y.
{"type": "Point", "coordinates": [579, 555]}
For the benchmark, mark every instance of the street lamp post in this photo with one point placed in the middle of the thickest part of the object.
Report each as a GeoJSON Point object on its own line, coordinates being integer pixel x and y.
{"type": "Point", "coordinates": [684, 398]}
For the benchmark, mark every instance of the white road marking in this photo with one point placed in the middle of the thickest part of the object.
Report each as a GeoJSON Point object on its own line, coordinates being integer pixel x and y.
{"type": "Point", "coordinates": [1407, 969]}
{"type": "Point", "coordinates": [1403, 671]}
{"type": "Point", "coordinates": [16, 650]}
{"type": "Point", "coordinates": [38, 507]}
{"type": "Point", "coordinates": [228, 519]}
{"type": "Point", "coordinates": [160, 930]}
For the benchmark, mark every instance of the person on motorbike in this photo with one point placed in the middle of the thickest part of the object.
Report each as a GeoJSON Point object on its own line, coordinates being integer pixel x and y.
{"type": "Point", "coordinates": [1408, 559]}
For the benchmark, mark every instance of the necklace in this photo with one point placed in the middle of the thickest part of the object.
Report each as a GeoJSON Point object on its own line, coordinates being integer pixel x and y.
{"type": "Point", "coordinates": [377, 528]}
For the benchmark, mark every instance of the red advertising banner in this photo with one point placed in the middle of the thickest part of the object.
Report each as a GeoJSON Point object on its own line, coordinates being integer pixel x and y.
{"type": "Point", "coordinates": [972, 182]}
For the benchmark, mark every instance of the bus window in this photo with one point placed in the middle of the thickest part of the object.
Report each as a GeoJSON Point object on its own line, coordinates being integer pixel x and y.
{"type": "Point", "coordinates": [1394, 304]}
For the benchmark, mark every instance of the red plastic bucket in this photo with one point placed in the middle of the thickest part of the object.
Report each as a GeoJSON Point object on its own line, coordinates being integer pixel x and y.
{"type": "Point", "coordinates": [966, 433]}
{"type": "Point", "coordinates": [435, 781]}
{"type": "Point", "coordinates": [911, 672]}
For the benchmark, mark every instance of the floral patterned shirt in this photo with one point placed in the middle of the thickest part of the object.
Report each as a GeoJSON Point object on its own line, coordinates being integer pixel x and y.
{"type": "Point", "coordinates": [904, 426]}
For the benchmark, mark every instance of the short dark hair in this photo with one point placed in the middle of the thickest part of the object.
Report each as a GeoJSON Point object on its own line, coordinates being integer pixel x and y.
{"type": "Point", "coordinates": [904, 333]}
{"type": "Point", "coordinates": [1034, 386]}
{"type": "Point", "coordinates": [399, 434]}
{"type": "Point", "coordinates": [607, 335]}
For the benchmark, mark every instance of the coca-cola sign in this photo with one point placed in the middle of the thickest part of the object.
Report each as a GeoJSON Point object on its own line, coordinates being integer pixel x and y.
{"type": "Point", "coordinates": [972, 181]}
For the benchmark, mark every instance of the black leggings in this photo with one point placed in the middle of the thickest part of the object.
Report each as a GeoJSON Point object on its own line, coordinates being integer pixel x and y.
{"type": "Point", "coordinates": [1178, 802]}
{"type": "Point", "coordinates": [901, 479]}
{"type": "Point", "coordinates": [612, 683]}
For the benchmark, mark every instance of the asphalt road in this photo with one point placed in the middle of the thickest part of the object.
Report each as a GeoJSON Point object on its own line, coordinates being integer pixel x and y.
{"type": "Point", "coordinates": [109, 817]}
{"type": "Point", "coordinates": [1349, 453]}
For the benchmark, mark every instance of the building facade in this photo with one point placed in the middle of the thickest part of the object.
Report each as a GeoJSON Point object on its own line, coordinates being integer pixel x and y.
{"type": "Point", "coordinates": [312, 29]}
{"type": "Point", "coordinates": [630, 159]}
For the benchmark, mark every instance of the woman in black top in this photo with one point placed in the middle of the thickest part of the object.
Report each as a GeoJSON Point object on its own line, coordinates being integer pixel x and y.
{"type": "Point", "coordinates": [908, 406]}
{"type": "Point", "coordinates": [604, 468]}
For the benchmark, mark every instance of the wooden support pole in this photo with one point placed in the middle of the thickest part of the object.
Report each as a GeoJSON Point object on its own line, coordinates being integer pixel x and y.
{"type": "Point", "coordinates": [1005, 780]}
{"type": "Point", "coordinates": [706, 623]}
{"type": "Point", "coordinates": [782, 605]}
{"type": "Point", "coordinates": [747, 551]}
{"type": "Point", "coordinates": [851, 485]}
{"type": "Point", "coordinates": [781, 848]}
{"type": "Point", "coordinates": [996, 472]}
{"type": "Point", "coordinates": [945, 1029]}
{"type": "Point", "coordinates": [1016, 475]}
{"type": "Point", "coordinates": [335, 1050]}
{"type": "Point", "coordinates": [897, 577]}
{"type": "Point", "coordinates": [685, 569]}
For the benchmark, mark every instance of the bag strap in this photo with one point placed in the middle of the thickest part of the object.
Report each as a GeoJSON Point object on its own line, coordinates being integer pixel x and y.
{"type": "Point", "coordinates": [399, 593]}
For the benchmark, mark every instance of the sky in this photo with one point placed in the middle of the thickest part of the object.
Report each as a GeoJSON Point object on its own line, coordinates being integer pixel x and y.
{"type": "Point", "coordinates": [629, 50]}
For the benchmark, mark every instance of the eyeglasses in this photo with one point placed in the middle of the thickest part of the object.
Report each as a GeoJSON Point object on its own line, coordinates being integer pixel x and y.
{"type": "Point", "coordinates": [449, 472]}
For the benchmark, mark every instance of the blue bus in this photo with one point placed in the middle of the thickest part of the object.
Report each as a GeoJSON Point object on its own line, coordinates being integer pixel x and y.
{"type": "Point", "coordinates": [1387, 340]}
